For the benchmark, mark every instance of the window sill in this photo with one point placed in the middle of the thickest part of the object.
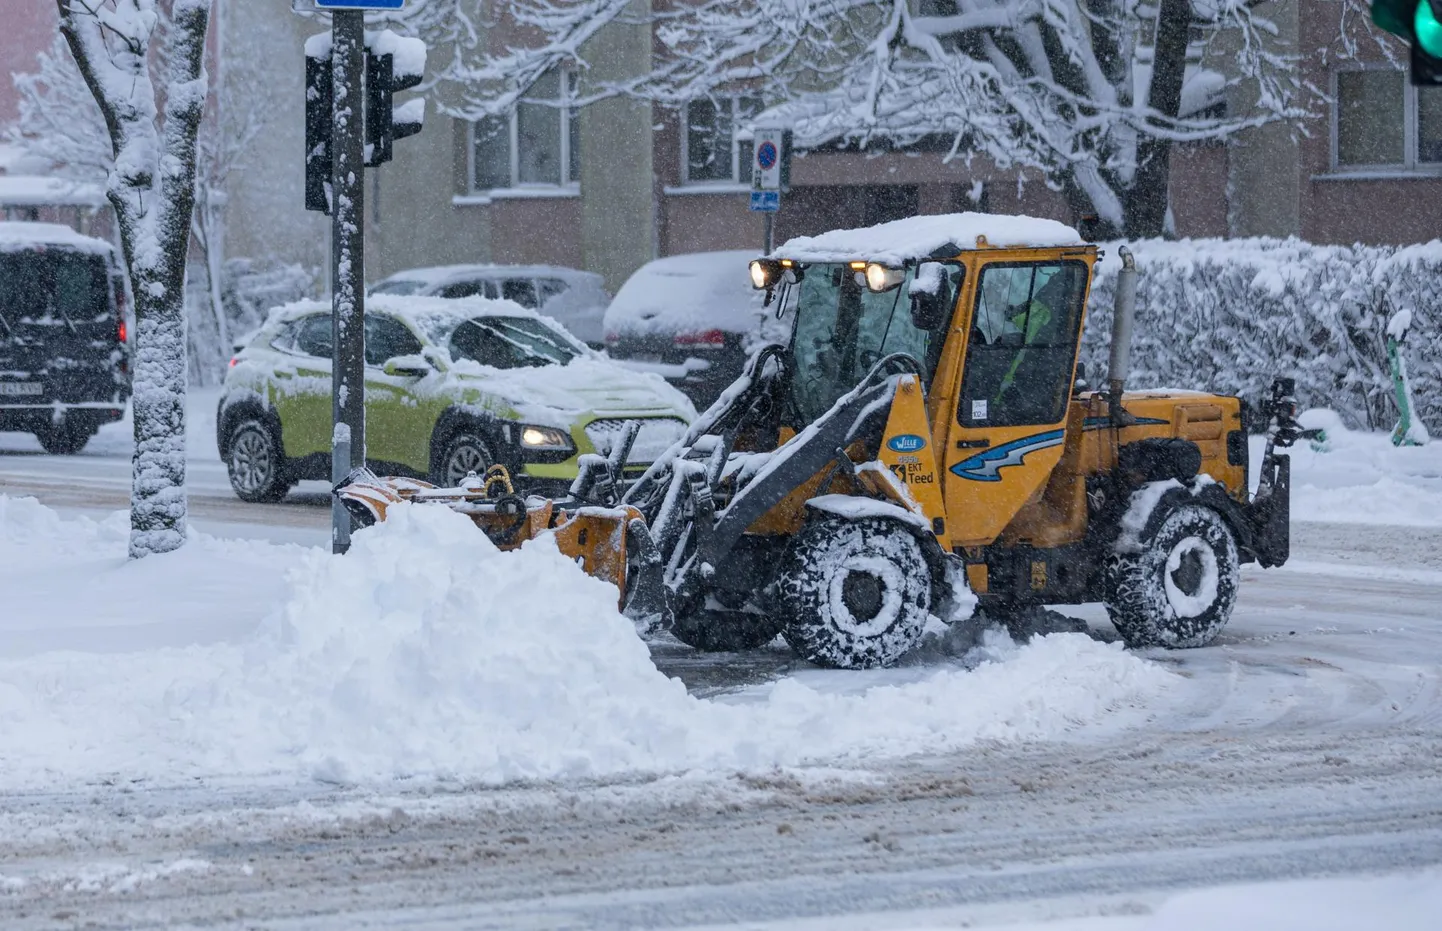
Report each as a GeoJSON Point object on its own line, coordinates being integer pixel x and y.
{"type": "Point", "coordinates": [1381, 174]}
{"type": "Point", "coordinates": [515, 193]}
{"type": "Point", "coordinates": [719, 187]}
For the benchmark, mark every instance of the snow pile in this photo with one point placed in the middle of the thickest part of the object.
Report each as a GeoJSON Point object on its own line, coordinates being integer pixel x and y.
{"type": "Point", "coordinates": [1231, 315]}
{"type": "Point", "coordinates": [1360, 477]}
{"type": "Point", "coordinates": [426, 652]}
{"type": "Point", "coordinates": [912, 238]}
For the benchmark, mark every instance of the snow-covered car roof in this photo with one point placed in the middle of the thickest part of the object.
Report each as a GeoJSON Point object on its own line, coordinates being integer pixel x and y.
{"type": "Point", "coordinates": [439, 273]}
{"type": "Point", "coordinates": [433, 316]}
{"type": "Point", "coordinates": [26, 235]}
{"type": "Point", "coordinates": [688, 293]}
{"type": "Point", "coordinates": [913, 238]}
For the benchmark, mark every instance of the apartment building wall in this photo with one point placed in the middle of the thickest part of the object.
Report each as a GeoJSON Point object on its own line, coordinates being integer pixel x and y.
{"type": "Point", "coordinates": [1395, 200]}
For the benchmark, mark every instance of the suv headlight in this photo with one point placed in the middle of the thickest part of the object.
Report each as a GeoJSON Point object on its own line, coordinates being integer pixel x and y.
{"type": "Point", "coordinates": [545, 439]}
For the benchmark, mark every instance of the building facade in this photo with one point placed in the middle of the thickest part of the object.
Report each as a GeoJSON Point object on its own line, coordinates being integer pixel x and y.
{"type": "Point", "coordinates": [610, 186]}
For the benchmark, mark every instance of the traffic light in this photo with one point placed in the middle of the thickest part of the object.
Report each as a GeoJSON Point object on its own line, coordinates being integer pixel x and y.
{"type": "Point", "coordinates": [1419, 22]}
{"type": "Point", "coordinates": [393, 63]}
{"type": "Point", "coordinates": [317, 129]}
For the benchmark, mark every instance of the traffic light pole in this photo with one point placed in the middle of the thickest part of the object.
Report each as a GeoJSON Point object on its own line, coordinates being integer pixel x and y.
{"type": "Point", "coordinates": [348, 442]}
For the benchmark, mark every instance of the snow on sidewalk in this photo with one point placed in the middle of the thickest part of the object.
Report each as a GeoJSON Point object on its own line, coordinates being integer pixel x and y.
{"type": "Point", "coordinates": [426, 652]}
{"type": "Point", "coordinates": [1404, 902]}
{"type": "Point", "coordinates": [1358, 477]}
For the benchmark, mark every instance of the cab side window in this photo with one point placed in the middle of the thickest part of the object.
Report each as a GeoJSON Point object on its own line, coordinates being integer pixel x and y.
{"type": "Point", "coordinates": [387, 338]}
{"type": "Point", "coordinates": [314, 337]}
{"type": "Point", "coordinates": [1023, 342]}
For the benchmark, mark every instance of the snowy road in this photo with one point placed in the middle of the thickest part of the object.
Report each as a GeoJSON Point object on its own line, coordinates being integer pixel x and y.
{"type": "Point", "coordinates": [1305, 743]}
{"type": "Point", "coordinates": [1308, 747]}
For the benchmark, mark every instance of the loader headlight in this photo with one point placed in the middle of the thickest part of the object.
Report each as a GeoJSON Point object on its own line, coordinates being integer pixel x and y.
{"type": "Point", "coordinates": [765, 273]}
{"type": "Point", "coordinates": [881, 278]}
{"type": "Point", "coordinates": [547, 439]}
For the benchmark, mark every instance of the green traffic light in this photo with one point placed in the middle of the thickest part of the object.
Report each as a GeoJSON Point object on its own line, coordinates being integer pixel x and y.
{"type": "Point", "coordinates": [1427, 29]}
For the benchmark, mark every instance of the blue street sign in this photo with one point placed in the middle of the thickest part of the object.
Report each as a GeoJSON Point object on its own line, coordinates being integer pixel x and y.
{"type": "Point", "coordinates": [766, 201]}
{"type": "Point", "coordinates": [359, 4]}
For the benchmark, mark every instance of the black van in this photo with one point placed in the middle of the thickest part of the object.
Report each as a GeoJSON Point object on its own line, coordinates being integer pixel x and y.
{"type": "Point", "coordinates": [64, 360]}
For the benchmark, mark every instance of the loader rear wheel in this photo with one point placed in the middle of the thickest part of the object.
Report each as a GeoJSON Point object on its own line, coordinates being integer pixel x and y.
{"type": "Point", "coordinates": [854, 593]}
{"type": "Point", "coordinates": [1178, 586]}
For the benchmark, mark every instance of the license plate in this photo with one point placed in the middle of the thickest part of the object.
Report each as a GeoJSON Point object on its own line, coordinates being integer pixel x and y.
{"type": "Point", "coordinates": [21, 388]}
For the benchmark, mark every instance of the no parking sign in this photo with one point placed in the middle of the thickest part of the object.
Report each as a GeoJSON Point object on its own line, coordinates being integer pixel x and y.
{"type": "Point", "coordinates": [771, 157]}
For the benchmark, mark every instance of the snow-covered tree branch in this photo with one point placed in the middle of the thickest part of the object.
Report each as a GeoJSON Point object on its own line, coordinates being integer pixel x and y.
{"type": "Point", "coordinates": [1090, 93]}
{"type": "Point", "coordinates": [58, 119]}
{"type": "Point", "coordinates": [152, 188]}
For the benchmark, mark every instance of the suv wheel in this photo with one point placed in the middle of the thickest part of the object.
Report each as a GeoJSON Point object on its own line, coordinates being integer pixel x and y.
{"type": "Point", "coordinates": [64, 438]}
{"type": "Point", "coordinates": [255, 464]}
{"type": "Point", "coordinates": [465, 453]}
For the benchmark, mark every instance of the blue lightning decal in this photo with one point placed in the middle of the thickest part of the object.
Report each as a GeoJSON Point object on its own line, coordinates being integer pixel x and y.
{"type": "Point", "coordinates": [983, 467]}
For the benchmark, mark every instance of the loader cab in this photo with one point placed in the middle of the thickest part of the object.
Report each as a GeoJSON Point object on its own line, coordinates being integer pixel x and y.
{"type": "Point", "coordinates": [995, 333]}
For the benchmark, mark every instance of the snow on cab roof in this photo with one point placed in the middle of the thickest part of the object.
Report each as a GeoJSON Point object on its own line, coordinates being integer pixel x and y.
{"type": "Point", "coordinates": [913, 238]}
{"type": "Point", "coordinates": [25, 235]}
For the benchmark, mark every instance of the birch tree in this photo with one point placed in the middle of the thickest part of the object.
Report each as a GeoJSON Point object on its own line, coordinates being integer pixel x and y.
{"type": "Point", "coordinates": [152, 188]}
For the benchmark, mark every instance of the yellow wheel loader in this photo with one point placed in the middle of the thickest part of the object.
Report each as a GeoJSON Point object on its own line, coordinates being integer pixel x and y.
{"type": "Point", "coordinates": [923, 431]}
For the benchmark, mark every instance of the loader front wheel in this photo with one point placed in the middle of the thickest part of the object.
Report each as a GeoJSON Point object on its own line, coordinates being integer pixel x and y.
{"type": "Point", "coordinates": [854, 593]}
{"type": "Point", "coordinates": [1176, 584]}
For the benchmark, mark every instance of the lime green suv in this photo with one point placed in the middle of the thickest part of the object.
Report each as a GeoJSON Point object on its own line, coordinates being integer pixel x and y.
{"type": "Point", "coordinates": [451, 387]}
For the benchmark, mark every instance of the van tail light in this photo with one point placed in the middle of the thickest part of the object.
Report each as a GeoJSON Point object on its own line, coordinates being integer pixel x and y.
{"type": "Point", "coordinates": [121, 332]}
{"type": "Point", "coordinates": [708, 339]}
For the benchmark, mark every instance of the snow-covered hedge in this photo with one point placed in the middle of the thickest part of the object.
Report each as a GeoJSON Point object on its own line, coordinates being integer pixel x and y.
{"type": "Point", "coordinates": [1230, 315]}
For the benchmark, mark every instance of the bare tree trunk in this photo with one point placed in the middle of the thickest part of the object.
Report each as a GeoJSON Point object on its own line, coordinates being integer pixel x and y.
{"type": "Point", "coordinates": [152, 189]}
{"type": "Point", "coordinates": [1147, 198]}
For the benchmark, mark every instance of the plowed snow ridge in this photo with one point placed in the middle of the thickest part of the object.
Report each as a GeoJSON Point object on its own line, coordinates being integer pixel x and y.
{"type": "Point", "coordinates": [426, 652]}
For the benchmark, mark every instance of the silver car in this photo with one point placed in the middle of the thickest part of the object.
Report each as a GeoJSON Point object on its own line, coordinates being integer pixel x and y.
{"type": "Point", "coordinates": [575, 299]}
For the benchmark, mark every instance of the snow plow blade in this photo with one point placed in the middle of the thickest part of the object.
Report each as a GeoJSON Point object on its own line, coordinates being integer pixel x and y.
{"type": "Point", "coordinates": [600, 539]}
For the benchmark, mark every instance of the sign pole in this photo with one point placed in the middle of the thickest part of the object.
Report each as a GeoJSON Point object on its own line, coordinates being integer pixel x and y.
{"type": "Point", "coordinates": [347, 259]}
{"type": "Point", "coordinates": [770, 176]}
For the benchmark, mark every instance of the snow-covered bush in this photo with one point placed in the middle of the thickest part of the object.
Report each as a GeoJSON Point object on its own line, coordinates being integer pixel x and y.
{"type": "Point", "coordinates": [1231, 315]}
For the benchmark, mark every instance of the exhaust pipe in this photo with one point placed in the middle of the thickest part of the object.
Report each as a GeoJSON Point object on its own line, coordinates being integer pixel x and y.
{"type": "Point", "coordinates": [1123, 316]}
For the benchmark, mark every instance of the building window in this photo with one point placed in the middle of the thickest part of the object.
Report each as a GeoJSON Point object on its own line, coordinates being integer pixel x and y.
{"type": "Point", "coordinates": [1382, 121]}
{"type": "Point", "coordinates": [710, 151]}
{"type": "Point", "coordinates": [536, 145]}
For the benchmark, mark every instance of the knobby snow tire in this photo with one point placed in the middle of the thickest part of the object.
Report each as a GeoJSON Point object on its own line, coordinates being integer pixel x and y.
{"type": "Point", "coordinates": [1150, 601]}
{"type": "Point", "coordinates": [838, 567]}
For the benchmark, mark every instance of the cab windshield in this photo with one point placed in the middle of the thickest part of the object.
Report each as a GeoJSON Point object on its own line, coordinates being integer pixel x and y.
{"type": "Point", "coordinates": [843, 328]}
